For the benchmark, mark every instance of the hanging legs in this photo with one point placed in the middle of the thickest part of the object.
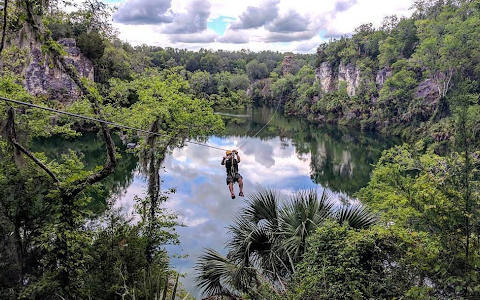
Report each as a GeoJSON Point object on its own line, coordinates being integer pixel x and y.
{"type": "Point", "coordinates": [240, 185]}
{"type": "Point", "coordinates": [231, 180]}
{"type": "Point", "coordinates": [230, 187]}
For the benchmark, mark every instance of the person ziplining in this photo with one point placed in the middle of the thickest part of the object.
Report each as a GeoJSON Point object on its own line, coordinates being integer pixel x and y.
{"type": "Point", "coordinates": [231, 164]}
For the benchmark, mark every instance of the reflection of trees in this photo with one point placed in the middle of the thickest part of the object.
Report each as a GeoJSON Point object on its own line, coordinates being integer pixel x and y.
{"type": "Point", "coordinates": [93, 154]}
{"type": "Point", "coordinates": [341, 159]}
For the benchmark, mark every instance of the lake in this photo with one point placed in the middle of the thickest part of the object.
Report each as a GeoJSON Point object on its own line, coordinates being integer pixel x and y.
{"type": "Point", "coordinates": [288, 155]}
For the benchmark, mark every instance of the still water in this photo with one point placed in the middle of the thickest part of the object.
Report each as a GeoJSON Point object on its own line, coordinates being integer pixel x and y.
{"type": "Point", "coordinates": [288, 155]}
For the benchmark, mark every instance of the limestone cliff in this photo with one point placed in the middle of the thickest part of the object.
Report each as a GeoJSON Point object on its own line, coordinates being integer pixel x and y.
{"type": "Point", "coordinates": [382, 76]}
{"type": "Point", "coordinates": [40, 74]}
{"type": "Point", "coordinates": [330, 80]}
{"type": "Point", "coordinates": [425, 96]}
{"type": "Point", "coordinates": [349, 74]}
{"type": "Point", "coordinates": [324, 74]}
{"type": "Point", "coordinates": [43, 78]}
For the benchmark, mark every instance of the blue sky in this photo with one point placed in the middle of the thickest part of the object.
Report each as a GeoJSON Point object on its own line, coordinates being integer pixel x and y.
{"type": "Point", "coordinates": [282, 25]}
{"type": "Point", "coordinates": [219, 24]}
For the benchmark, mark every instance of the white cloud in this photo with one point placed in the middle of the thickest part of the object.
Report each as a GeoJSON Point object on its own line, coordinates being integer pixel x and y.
{"type": "Point", "coordinates": [194, 20]}
{"type": "Point", "coordinates": [140, 12]}
{"type": "Point", "coordinates": [292, 25]}
{"type": "Point", "coordinates": [234, 37]}
{"type": "Point", "coordinates": [206, 36]}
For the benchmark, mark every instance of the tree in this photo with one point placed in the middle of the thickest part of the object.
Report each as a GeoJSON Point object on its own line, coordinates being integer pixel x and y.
{"type": "Point", "coordinates": [375, 263]}
{"type": "Point", "coordinates": [222, 81]}
{"type": "Point", "coordinates": [67, 246]}
{"type": "Point", "coordinates": [256, 70]}
{"type": "Point", "coordinates": [239, 82]}
{"type": "Point", "coordinates": [210, 63]}
{"type": "Point", "coordinates": [437, 196]}
{"type": "Point", "coordinates": [91, 44]}
{"type": "Point", "coordinates": [202, 83]}
{"type": "Point", "coordinates": [283, 88]}
{"type": "Point", "coordinates": [397, 92]}
{"type": "Point", "coordinates": [93, 15]}
{"type": "Point", "coordinates": [268, 240]}
{"type": "Point", "coordinates": [164, 108]}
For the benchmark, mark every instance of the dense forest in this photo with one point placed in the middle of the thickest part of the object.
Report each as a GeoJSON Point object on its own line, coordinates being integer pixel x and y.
{"type": "Point", "coordinates": [416, 234]}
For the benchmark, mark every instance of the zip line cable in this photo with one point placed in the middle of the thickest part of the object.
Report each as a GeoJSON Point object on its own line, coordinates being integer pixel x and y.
{"type": "Point", "coordinates": [101, 121]}
{"type": "Point", "coordinates": [129, 127]}
{"type": "Point", "coordinates": [271, 118]}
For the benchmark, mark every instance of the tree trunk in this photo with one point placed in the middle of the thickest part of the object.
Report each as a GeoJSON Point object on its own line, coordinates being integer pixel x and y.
{"type": "Point", "coordinates": [19, 249]}
{"type": "Point", "coordinates": [4, 29]}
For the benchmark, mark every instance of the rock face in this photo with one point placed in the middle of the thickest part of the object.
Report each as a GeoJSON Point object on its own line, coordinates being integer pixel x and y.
{"type": "Point", "coordinates": [287, 64]}
{"type": "Point", "coordinates": [42, 77]}
{"type": "Point", "coordinates": [324, 74]}
{"type": "Point", "coordinates": [382, 76]}
{"type": "Point", "coordinates": [348, 73]}
{"type": "Point", "coordinates": [427, 89]}
{"type": "Point", "coordinates": [351, 75]}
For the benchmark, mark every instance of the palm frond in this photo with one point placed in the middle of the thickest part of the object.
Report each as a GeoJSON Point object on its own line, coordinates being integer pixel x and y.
{"type": "Point", "coordinates": [248, 238]}
{"type": "Point", "coordinates": [300, 217]}
{"type": "Point", "coordinates": [262, 205]}
{"type": "Point", "coordinates": [356, 216]}
{"type": "Point", "coordinates": [219, 275]}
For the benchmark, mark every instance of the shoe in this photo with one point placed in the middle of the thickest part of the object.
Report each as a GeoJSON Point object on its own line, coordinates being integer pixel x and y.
{"type": "Point", "coordinates": [233, 196]}
{"type": "Point", "coordinates": [241, 194]}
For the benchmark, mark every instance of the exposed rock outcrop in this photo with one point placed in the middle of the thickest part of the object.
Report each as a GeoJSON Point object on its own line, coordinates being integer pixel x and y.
{"type": "Point", "coordinates": [427, 89]}
{"type": "Point", "coordinates": [325, 75]}
{"type": "Point", "coordinates": [329, 80]}
{"type": "Point", "coordinates": [349, 74]}
{"type": "Point", "coordinates": [43, 77]}
{"type": "Point", "coordinates": [287, 64]}
{"type": "Point", "coordinates": [382, 76]}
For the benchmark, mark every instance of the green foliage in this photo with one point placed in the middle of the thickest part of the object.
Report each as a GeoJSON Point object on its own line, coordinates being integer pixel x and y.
{"type": "Point", "coordinates": [397, 92]}
{"type": "Point", "coordinates": [377, 263]}
{"type": "Point", "coordinates": [239, 82]}
{"type": "Point", "coordinates": [203, 83]}
{"type": "Point", "coordinates": [410, 69]}
{"type": "Point", "coordinates": [114, 63]}
{"type": "Point", "coordinates": [268, 240]}
{"type": "Point", "coordinates": [256, 70]}
{"type": "Point", "coordinates": [437, 196]}
{"type": "Point", "coordinates": [116, 262]}
{"type": "Point", "coordinates": [427, 194]}
{"type": "Point", "coordinates": [91, 44]}
{"type": "Point", "coordinates": [164, 96]}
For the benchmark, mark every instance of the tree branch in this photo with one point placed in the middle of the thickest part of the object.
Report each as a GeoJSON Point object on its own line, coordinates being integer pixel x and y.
{"type": "Point", "coordinates": [111, 163]}
{"type": "Point", "coordinates": [12, 136]}
{"type": "Point", "coordinates": [80, 184]}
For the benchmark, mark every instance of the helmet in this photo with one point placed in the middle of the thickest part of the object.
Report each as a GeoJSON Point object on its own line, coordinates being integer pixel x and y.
{"type": "Point", "coordinates": [228, 152]}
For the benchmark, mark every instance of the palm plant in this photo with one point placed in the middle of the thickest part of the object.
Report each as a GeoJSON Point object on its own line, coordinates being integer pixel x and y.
{"type": "Point", "coordinates": [268, 238]}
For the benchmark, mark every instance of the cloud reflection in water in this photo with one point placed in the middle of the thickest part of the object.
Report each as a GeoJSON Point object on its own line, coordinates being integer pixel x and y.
{"type": "Point", "coordinates": [288, 156]}
{"type": "Point", "coordinates": [203, 201]}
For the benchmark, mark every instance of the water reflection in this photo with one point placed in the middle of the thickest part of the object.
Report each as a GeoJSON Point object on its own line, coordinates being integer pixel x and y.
{"type": "Point", "coordinates": [341, 159]}
{"type": "Point", "coordinates": [288, 155]}
{"type": "Point", "coordinates": [92, 150]}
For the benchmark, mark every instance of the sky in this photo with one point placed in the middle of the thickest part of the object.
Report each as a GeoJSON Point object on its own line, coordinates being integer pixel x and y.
{"type": "Point", "coordinates": [278, 25]}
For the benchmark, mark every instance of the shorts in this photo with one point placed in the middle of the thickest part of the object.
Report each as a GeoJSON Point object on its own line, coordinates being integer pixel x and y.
{"type": "Point", "coordinates": [233, 179]}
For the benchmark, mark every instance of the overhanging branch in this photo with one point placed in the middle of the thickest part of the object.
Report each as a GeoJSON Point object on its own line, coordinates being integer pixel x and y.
{"type": "Point", "coordinates": [12, 136]}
